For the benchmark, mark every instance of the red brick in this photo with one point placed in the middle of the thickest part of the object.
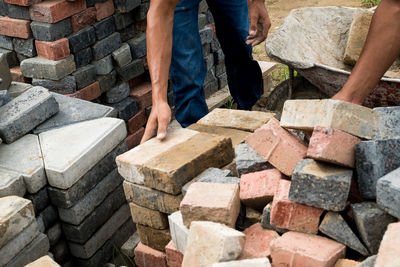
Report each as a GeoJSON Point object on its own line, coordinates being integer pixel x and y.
{"type": "Point", "coordinates": [137, 121]}
{"type": "Point", "coordinates": [295, 249]}
{"type": "Point", "coordinates": [147, 257]}
{"type": "Point", "coordinates": [53, 11]}
{"type": "Point", "coordinates": [140, 26]}
{"type": "Point", "coordinates": [333, 146]}
{"type": "Point", "coordinates": [174, 256]}
{"type": "Point", "coordinates": [134, 139]}
{"type": "Point", "coordinates": [22, 2]}
{"type": "Point", "coordinates": [277, 145]}
{"type": "Point", "coordinates": [145, 63]}
{"type": "Point", "coordinates": [104, 10]}
{"type": "Point", "coordinates": [16, 75]}
{"type": "Point", "coordinates": [15, 27]}
{"type": "Point", "coordinates": [258, 242]}
{"type": "Point", "coordinates": [88, 93]}
{"type": "Point", "coordinates": [257, 189]}
{"type": "Point", "coordinates": [293, 216]}
{"type": "Point", "coordinates": [142, 95]}
{"type": "Point", "coordinates": [389, 250]}
{"type": "Point", "coordinates": [53, 50]}
{"type": "Point", "coordinates": [83, 19]}
{"type": "Point", "coordinates": [137, 81]}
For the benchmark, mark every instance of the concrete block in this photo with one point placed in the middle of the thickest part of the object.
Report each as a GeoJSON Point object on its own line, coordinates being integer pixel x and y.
{"type": "Point", "coordinates": [99, 258]}
{"type": "Point", "coordinates": [131, 70]}
{"type": "Point", "coordinates": [82, 39]}
{"type": "Point", "coordinates": [388, 120]}
{"type": "Point", "coordinates": [375, 159]}
{"type": "Point", "coordinates": [148, 217]}
{"type": "Point", "coordinates": [11, 57]}
{"type": "Point", "coordinates": [4, 97]}
{"type": "Point", "coordinates": [17, 88]}
{"type": "Point", "coordinates": [126, 109]}
{"type": "Point", "coordinates": [50, 32]}
{"type": "Point", "coordinates": [247, 160]}
{"type": "Point", "coordinates": [347, 117]}
{"type": "Point", "coordinates": [123, 20]}
{"type": "Point", "coordinates": [248, 263]}
{"type": "Point", "coordinates": [83, 57]}
{"type": "Point", "coordinates": [25, 47]}
{"type": "Point", "coordinates": [274, 143]}
{"type": "Point", "coordinates": [106, 46]}
{"type": "Point", "coordinates": [236, 119]}
{"type": "Point", "coordinates": [6, 42]}
{"type": "Point", "coordinates": [152, 199]}
{"type": "Point", "coordinates": [237, 136]}
{"type": "Point", "coordinates": [371, 224]}
{"type": "Point", "coordinates": [320, 185]}
{"type": "Point", "coordinates": [211, 202]}
{"type": "Point", "coordinates": [43, 261]}
{"type": "Point", "coordinates": [145, 256]}
{"type": "Point", "coordinates": [122, 55]}
{"type": "Point", "coordinates": [104, 28]}
{"type": "Point", "coordinates": [125, 6]}
{"type": "Point", "coordinates": [81, 148]}
{"type": "Point", "coordinates": [39, 247]}
{"type": "Point", "coordinates": [179, 232]}
{"type": "Point", "coordinates": [47, 218]}
{"type": "Point", "coordinates": [88, 249]}
{"type": "Point", "coordinates": [130, 245]}
{"type": "Point", "coordinates": [154, 238]}
{"type": "Point", "coordinates": [66, 85]}
{"type": "Point", "coordinates": [388, 193]}
{"type": "Point", "coordinates": [104, 65]}
{"type": "Point", "coordinates": [84, 76]}
{"type": "Point", "coordinates": [334, 226]}
{"type": "Point", "coordinates": [118, 93]}
{"type": "Point", "coordinates": [24, 156]}
{"type": "Point", "coordinates": [389, 249]}
{"type": "Point", "coordinates": [41, 68]}
{"type": "Point", "coordinates": [11, 183]}
{"type": "Point", "coordinates": [210, 242]}
{"type": "Point", "coordinates": [5, 73]}
{"type": "Point", "coordinates": [74, 110]}
{"type": "Point", "coordinates": [54, 234]}
{"type": "Point", "coordinates": [130, 164]}
{"type": "Point", "coordinates": [77, 213]}
{"type": "Point", "coordinates": [107, 81]}
{"type": "Point", "coordinates": [138, 46]}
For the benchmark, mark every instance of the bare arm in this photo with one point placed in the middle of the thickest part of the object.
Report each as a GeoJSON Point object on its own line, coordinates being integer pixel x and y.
{"type": "Point", "coordinates": [381, 49]}
{"type": "Point", "coordinates": [159, 49]}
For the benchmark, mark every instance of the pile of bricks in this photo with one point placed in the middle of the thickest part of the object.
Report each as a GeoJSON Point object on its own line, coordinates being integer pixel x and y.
{"type": "Point", "coordinates": [298, 202]}
{"type": "Point", "coordinates": [94, 50]}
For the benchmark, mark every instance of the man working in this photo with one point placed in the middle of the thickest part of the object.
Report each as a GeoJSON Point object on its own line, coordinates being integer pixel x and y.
{"type": "Point", "coordinates": [173, 44]}
{"type": "Point", "coordinates": [381, 49]}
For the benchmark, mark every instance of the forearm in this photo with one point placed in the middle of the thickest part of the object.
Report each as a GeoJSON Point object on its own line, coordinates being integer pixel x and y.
{"type": "Point", "coordinates": [381, 49]}
{"type": "Point", "coordinates": [159, 45]}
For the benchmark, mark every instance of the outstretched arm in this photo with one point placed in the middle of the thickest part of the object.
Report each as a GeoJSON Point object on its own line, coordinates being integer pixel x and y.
{"type": "Point", "coordinates": [159, 49]}
{"type": "Point", "coordinates": [381, 49]}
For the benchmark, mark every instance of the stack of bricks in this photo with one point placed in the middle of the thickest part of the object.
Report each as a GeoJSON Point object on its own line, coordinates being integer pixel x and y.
{"type": "Point", "coordinates": [94, 50]}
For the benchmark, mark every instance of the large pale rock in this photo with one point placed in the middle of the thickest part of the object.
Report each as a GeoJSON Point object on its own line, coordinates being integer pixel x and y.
{"type": "Point", "coordinates": [130, 164]}
{"type": "Point", "coordinates": [210, 242]}
{"type": "Point", "coordinates": [16, 213]}
{"type": "Point", "coordinates": [237, 136]}
{"type": "Point", "coordinates": [236, 119]}
{"type": "Point", "coordinates": [347, 117]}
{"type": "Point", "coordinates": [172, 169]}
{"type": "Point", "coordinates": [71, 151]}
{"type": "Point", "coordinates": [357, 35]}
{"type": "Point", "coordinates": [11, 183]}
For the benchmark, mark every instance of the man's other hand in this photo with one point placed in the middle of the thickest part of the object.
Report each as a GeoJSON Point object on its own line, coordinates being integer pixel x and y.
{"type": "Point", "coordinates": [159, 118]}
{"type": "Point", "coordinates": [260, 22]}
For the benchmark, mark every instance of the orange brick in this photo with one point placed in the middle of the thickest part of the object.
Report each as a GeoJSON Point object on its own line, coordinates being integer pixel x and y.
{"type": "Point", "coordinates": [257, 189]}
{"type": "Point", "coordinates": [53, 50]}
{"type": "Point", "coordinates": [53, 11]}
{"type": "Point", "coordinates": [389, 249]}
{"type": "Point", "coordinates": [22, 2]}
{"type": "Point", "coordinates": [137, 121]}
{"type": "Point", "coordinates": [258, 242]}
{"type": "Point", "coordinates": [142, 95]}
{"type": "Point", "coordinates": [346, 263]}
{"type": "Point", "coordinates": [147, 257]}
{"type": "Point", "coordinates": [174, 256]}
{"type": "Point", "coordinates": [104, 10]}
{"type": "Point", "coordinates": [83, 19]}
{"type": "Point", "coordinates": [295, 249]}
{"type": "Point", "coordinates": [277, 145]}
{"type": "Point", "coordinates": [134, 139]}
{"type": "Point", "coordinates": [15, 27]}
{"type": "Point", "coordinates": [293, 216]}
{"type": "Point", "coordinates": [333, 146]}
{"type": "Point", "coordinates": [88, 93]}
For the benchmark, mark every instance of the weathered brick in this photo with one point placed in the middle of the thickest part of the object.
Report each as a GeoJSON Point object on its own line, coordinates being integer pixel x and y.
{"type": "Point", "coordinates": [83, 19]}
{"type": "Point", "coordinates": [299, 249]}
{"type": "Point", "coordinates": [5, 73]}
{"type": "Point", "coordinates": [51, 31]}
{"type": "Point", "coordinates": [138, 46]}
{"type": "Point", "coordinates": [237, 136]}
{"type": "Point", "coordinates": [389, 249]}
{"type": "Point", "coordinates": [53, 50]}
{"type": "Point", "coordinates": [104, 65]}
{"type": "Point", "coordinates": [131, 70]}
{"type": "Point", "coordinates": [107, 81]}
{"type": "Point", "coordinates": [134, 139]}
{"type": "Point", "coordinates": [104, 28]}
{"type": "Point", "coordinates": [333, 146]}
{"type": "Point", "coordinates": [137, 121]}
{"type": "Point", "coordinates": [41, 68]}
{"type": "Point", "coordinates": [170, 170]}
{"type": "Point", "coordinates": [274, 143]}
{"type": "Point", "coordinates": [142, 95]}
{"type": "Point", "coordinates": [210, 242]}
{"type": "Point", "coordinates": [179, 232]}
{"type": "Point", "coordinates": [125, 6]}
{"type": "Point", "coordinates": [388, 193]}
{"type": "Point", "coordinates": [18, 12]}
{"type": "Point", "coordinates": [22, 2]}
{"type": "Point", "coordinates": [16, 75]}
{"type": "Point", "coordinates": [53, 11]}
{"type": "Point", "coordinates": [83, 57]}
{"type": "Point", "coordinates": [145, 256]}
{"type": "Point", "coordinates": [122, 55]}
{"type": "Point", "coordinates": [66, 85]}
{"type": "Point", "coordinates": [106, 46]}
{"type": "Point", "coordinates": [293, 216]}
{"type": "Point", "coordinates": [320, 185]}
{"type": "Point", "coordinates": [84, 76]}
{"type": "Point", "coordinates": [104, 9]}
{"type": "Point", "coordinates": [123, 20]}
{"type": "Point", "coordinates": [174, 256]}
{"type": "Point", "coordinates": [211, 202]}
{"type": "Point", "coordinates": [126, 109]}
{"type": "Point", "coordinates": [117, 93]}
{"type": "Point", "coordinates": [347, 117]}
{"type": "Point", "coordinates": [154, 238]}
{"type": "Point", "coordinates": [248, 263]}
{"type": "Point", "coordinates": [148, 217]}
{"type": "Point", "coordinates": [82, 39]}
{"type": "Point", "coordinates": [15, 27]}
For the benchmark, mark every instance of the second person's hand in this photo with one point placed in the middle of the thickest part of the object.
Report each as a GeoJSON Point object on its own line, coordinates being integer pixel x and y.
{"type": "Point", "coordinates": [260, 22]}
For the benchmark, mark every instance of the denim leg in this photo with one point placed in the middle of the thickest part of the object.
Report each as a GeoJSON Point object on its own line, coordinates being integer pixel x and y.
{"type": "Point", "coordinates": [188, 69]}
{"type": "Point", "coordinates": [232, 27]}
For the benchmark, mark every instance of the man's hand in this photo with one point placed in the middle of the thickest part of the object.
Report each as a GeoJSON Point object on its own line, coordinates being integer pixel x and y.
{"type": "Point", "coordinates": [259, 22]}
{"type": "Point", "coordinates": [158, 121]}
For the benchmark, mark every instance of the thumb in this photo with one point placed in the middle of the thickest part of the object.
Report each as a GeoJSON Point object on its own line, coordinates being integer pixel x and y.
{"type": "Point", "coordinates": [162, 129]}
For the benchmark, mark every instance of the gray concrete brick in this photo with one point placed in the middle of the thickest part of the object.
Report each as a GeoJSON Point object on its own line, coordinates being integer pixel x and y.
{"type": "Point", "coordinates": [126, 109]}
{"type": "Point", "coordinates": [131, 70]}
{"type": "Point", "coordinates": [4, 97]}
{"type": "Point", "coordinates": [6, 42]}
{"type": "Point", "coordinates": [117, 93]}
{"type": "Point", "coordinates": [40, 200]}
{"type": "Point", "coordinates": [140, 13]}
{"type": "Point", "coordinates": [103, 66]}
{"type": "Point", "coordinates": [106, 46]}
{"type": "Point", "coordinates": [60, 252]}
{"type": "Point", "coordinates": [124, 6]}
{"type": "Point", "coordinates": [18, 12]}
{"type": "Point", "coordinates": [83, 57]}
{"type": "Point", "coordinates": [25, 47]}
{"type": "Point", "coordinates": [5, 74]}
{"type": "Point", "coordinates": [123, 20]}
{"type": "Point", "coordinates": [41, 68]}
{"type": "Point", "coordinates": [107, 81]}
{"type": "Point", "coordinates": [54, 234]}
{"type": "Point", "coordinates": [17, 88]}
{"type": "Point", "coordinates": [122, 55]}
{"type": "Point", "coordinates": [208, 175]}
{"type": "Point", "coordinates": [82, 39]}
{"type": "Point", "coordinates": [66, 85]}
{"type": "Point", "coordinates": [11, 57]}
{"type": "Point", "coordinates": [388, 193]}
{"type": "Point", "coordinates": [102, 255]}
{"type": "Point", "coordinates": [24, 113]}
{"type": "Point", "coordinates": [104, 28]}
{"type": "Point", "coordinates": [11, 183]}
{"type": "Point", "coordinates": [84, 76]}
{"type": "Point", "coordinates": [247, 160]}
{"type": "Point", "coordinates": [388, 122]}
{"type": "Point", "coordinates": [49, 217]}
{"type": "Point", "coordinates": [51, 31]}
{"type": "Point", "coordinates": [138, 46]}
{"type": "Point", "coordinates": [130, 245]}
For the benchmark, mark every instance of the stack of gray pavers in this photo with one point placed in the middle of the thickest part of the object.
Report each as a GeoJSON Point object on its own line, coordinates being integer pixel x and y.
{"type": "Point", "coordinates": [20, 241]}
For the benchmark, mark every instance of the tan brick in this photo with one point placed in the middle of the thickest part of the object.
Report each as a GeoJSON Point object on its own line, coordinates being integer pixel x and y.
{"type": "Point", "coordinates": [172, 169]}
{"type": "Point", "coordinates": [154, 238]}
{"type": "Point", "coordinates": [148, 217]}
{"type": "Point", "coordinates": [44, 261]}
{"type": "Point", "coordinates": [236, 119]}
{"type": "Point", "coordinates": [237, 136]}
{"type": "Point", "coordinates": [346, 263]}
{"type": "Point", "coordinates": [211, 202]}
{"type": "Point", "coordinates": [347, 117]}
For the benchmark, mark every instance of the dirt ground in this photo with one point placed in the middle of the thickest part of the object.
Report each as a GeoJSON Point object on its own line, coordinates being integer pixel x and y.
{"type": "Point", "coordinates": [279, 9]}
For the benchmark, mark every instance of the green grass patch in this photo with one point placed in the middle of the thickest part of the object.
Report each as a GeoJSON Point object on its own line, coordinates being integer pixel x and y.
{"type": "Point", "coordinates": [370, 3]}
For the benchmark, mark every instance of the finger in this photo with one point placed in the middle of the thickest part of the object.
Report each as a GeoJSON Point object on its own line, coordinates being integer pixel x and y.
{"type": "Point", "coordinates": [150, 130]}
{"type": "Point", "coordinates": [162, 127]}
{"type": "Point", "coordinates": [253, 23]}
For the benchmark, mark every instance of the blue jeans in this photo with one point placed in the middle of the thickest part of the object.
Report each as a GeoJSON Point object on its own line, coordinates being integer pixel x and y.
{"type": "Point", "coordinates": [188, 69]}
